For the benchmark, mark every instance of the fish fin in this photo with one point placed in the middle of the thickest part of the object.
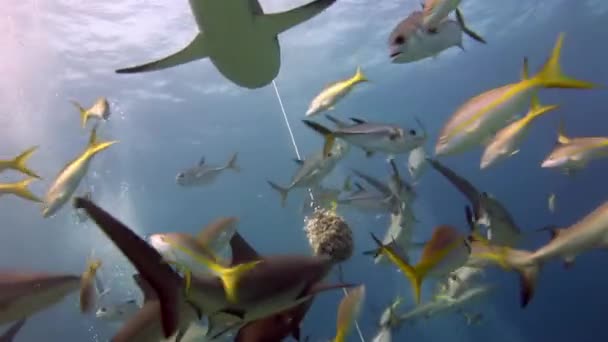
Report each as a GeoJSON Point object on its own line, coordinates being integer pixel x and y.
{"type": "Point", "coordinates": [202, 161]}
{"type": "Point", "coordinates": [95, 146]}
{"type": "Point", "coordinates": [84, 114]}
{"type": "Point", "coordinates": [242, 252]}
{"type": "Point", "coordinates": [10, 333]}
{"type": "Point", "coordinates": [562, 138]}
{"type": "Point", "coordinates": [18, 163]}
{"type": "Point", "coordinates": [88, 295]}
{"type": "Point", "coordinates": [339, 123]}
{"type": "Point", "coordinates": [359, 76]}
{"type": "Point", "coordinates": [282, 191]}
{"type": "Point", "coordinates": [148, 262]}
{"type": "Point", "coordinates": [525, 70]}
{"type": "Point", "coordinates": [413, 275]}
{"type": "Point", "coordinates": [20, 189]}
{"type": "Point", "coordinates": [528, 276]}
{"type": "Point", "coordinates": [551, 76]}
{"type": "Point", "coordinates": [195, 50]}
{"type": "Point", "coordinates": [358, 121]}
{"type": "Point", "coordinates": [299, 161]}
{"type": "Point", "coordinates": [232, 163]}
{"type": "Point", "coordinates": [467, 30]}
{"type": "Point", "coordinates": [326, 133]}
{"type": "Point", "coordinates": [296, 333]}
{"type": "Point", "coordinates": [280, 22]}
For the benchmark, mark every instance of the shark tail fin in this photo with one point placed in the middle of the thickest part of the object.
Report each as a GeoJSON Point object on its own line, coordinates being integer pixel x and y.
{"type": "Point", "coordinates": [282, 191]}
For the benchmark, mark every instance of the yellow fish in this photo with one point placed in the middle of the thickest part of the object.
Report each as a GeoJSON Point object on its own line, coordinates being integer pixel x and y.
{"type": "Point", "coordinates": [99, 110]}
{"type": "Point", "coordinates": [18, 163]}
{"type": "Point", "coordinates": [333, 93]}
{"type": "Point", "coordinates": [482, 116]}
{"type": "Point", "coordinates": [446, 251]}
{"type": "Point", "coordinates": [507, 141]}
{"type": "Point", "coordinates": [348, 311]}
{"type": "Point", "coordinates": [87, 286]}
{"type": "Point", "coordinates": [19, 189]}
{"type": "Point", "coordinates": [68, 179]}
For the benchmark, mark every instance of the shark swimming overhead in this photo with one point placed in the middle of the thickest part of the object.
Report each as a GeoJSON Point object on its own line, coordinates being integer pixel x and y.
{"type": "Point", "coordinates": [239, 39]}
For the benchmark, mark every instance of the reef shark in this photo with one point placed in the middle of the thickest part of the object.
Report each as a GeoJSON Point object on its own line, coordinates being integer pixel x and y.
{"type": "Point", "coordinates": [239, 39]}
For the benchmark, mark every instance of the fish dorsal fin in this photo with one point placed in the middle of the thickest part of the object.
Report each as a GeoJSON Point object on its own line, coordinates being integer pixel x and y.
{"type": "Point", "coordinates": [358, 121]}
{"type": "Point", "coordinates": [146, 289]}
{"type": "Point", "coordinates": [561, 135]}
{"type": "Point", "coordinates": [202, 161]}
{"type": "Point", "coordinates": [525, 74]}
{"type": "Point", "coordinates": [242, 252]}
{"type": "Point", "coordinates": [299, 161]}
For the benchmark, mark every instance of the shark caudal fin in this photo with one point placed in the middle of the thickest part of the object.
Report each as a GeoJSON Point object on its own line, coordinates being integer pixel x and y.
{"type": "Point", "coordinates": [281, 190]}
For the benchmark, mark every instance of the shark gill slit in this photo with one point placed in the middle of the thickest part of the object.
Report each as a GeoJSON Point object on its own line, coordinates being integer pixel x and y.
{"type": "Point", "coordinates": [297, 151]}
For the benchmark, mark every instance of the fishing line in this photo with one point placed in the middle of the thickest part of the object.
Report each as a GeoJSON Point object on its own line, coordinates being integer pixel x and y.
{"type": "Point", "coordinates": [295, 147]}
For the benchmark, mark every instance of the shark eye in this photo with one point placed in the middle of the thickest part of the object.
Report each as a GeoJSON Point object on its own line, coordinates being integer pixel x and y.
{"type": "Point", "coordinates": [399, 40]}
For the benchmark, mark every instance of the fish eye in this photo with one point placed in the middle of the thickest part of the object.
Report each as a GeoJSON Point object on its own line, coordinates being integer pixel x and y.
{"type": "Point", "coordinates": [399, 40]}
{"type": "Point", "coordinates": [180, 175]}
{"type": "Point", "coordinates": [103, 310]}
{"type": "Point", "coordinates": [412, 131]}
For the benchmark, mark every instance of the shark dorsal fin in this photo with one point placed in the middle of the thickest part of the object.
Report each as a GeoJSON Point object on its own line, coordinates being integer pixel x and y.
{"type": "Point", "coordinates": [358, 121]}
{"type": "Point", "coordinates": [299, 161]}
{"type": "Point", "coordinates": [202, 161]}
{"type": "Point", "coordinates": [242, 252]}
{"type": "Point", "coordinates": [561, 135]}
{"type": "Point", "coordinates": [146, 289]}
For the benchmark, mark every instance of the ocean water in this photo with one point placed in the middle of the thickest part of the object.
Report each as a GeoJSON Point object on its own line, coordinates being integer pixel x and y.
{"type": "Point", "coordinates": [55, 51]}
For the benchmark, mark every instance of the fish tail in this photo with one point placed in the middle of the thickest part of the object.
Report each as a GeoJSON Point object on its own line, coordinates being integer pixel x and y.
{"type": "Point", "coordinates": [282, 191]}
{"type": "Point", "coordinates": [466, 29]}
{"type": "Point", "coordinates": [19, 162]}
{"type": "Point", "coordinates": [325, 132]}
{"type": "Point", "coordinates": [359, 77]}
{"type": "Point", "coordinates": [87, 288]}
{"type": "Point", "coordinates": [551, 75]}
{"type": "Point", "coordinates": [232, 163]}
{"type": "Point", "coordinates": [21, 189]}
{"type": "Point", "coordinates": [96, 146]}
{"type": "Point", "coordinates": [84, 114]}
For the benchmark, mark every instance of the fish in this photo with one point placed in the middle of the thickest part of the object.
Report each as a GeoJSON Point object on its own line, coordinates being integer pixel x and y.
{"type": "Point", "coordinates": [506, 142]}
{"type": "Point", "coordinates": [371, 137]}
{"type": "Point", "coordinates": [119, 312]}
{"type": "Point", "coordinates": [10, 333]}
{"type": "Point", "coordinates": [410, 41]}
{"type": "Point", "coordinates": [482, 116]}
{"type": "Point", "coordinates": [435, 11]}
{"type": "Point", "coordinates": [312, 170]}
{"type": "Point", "coordinates": [25, 293]}
{"type": "Point", "coordinates": [398, 235]}
{"type": "Point", "coordinates": [19, 163]}
{"type": "Point", "coordinates": [487, 210]}
{"type": "Point", "coordinates": [573, 154]}
{"type": "Point", "coordinates": [416, 163]}
{"type": "Point", "coordinates": [388, 319]}
{"type": "Point", "coordinates": [100, 110]}
{"type": "Point", "coordinates": [384, 335]}
{"type": "Point", "coordinates": [68, 179]}
{"type": "Point", "coordinates": [87, 286]}
{"type": "Point", "coordinates": [295, 280]}
{"type": "Point", "coordinates": [366, 201]}
{"type": "Point", "coordinates": [239, 39]}
{"type": "Point", "coordinates": [20, 189]}
{"type": "Point", "coordinates": [551, 202]}
{"type": "Point", "coordinates": [446, 251]}
{"type": "Point", "coordinates": [203, 173]}
{"type": "Point", "coordinates": [348, 311]}
{"type": "Point", "coordinates": [460, 279]}
{"type": "Point", "coordinates": [334, 92]}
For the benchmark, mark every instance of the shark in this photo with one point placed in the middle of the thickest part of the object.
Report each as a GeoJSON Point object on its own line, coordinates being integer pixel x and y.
{"type": "Point", "coordinates": [238, 38]}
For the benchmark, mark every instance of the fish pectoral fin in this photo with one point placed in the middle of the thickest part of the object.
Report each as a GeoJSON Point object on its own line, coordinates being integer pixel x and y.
{"type": "Point", "coordinates": [276, 23]}
{"type": "Point", "coordinates": [195, 50]}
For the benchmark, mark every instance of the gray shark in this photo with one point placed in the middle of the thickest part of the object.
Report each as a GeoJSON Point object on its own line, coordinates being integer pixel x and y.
{"type": "Point", "coordinates": [239, 39]}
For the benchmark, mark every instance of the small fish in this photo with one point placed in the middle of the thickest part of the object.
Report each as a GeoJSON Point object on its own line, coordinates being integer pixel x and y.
{"type": "Point", "coordinates": [482, 116]}
{"type": "Point", "coordinates": [507, 141]}
{"type": "Point", "coordinates": [348, 311]}
{"type": "Point", "coordinates": [398, 235]}
{"type": "Point", "coordinates": [313, 170]}
{"type": "Point", "coordinates": [87, 286]}
{"type": "Point", "coordinates": [68, 179]}
{"type": "Point", "coordinates": [551, 202]}
{"type": "Point", "coordinates": [100, 110]}
{"type": "Point", "coordinates": [410, 41]}
{"type": "Point", "coordinates": [416, 163]}
{"type": "Point", "coordinates": [446, 251]}
{"type": "Point", "coordinates": [573, 154]}
{"type": "Point", "coordinates": [204, 174]}
{"type": "Point", "coordinates": [18, 163]}
{"type": "Point", "coordinates": [119, 312]}
{"type": "Point", "coordinates": [473, 319]}
{"type": "Point", "coordinates": [20, 189]}
{"type": "Point", "coordinates": [371, 137]}
{"type": "Point", "coordinates": [10, 333]}
{"type": "Point", "coordinates": [435, 11]}
{"type": "Point", "coordinates": [388, 319]}
{"type": "Point", "coordinates": [460, 279]}
{"type": "Point", "coordinates": [333, 93]}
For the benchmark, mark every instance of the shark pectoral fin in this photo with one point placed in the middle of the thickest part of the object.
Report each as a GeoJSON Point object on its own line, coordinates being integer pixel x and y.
{"type": "Point", "coordinates": [195, 50]}
{"type": "Point", "coordinates": [280, 22]}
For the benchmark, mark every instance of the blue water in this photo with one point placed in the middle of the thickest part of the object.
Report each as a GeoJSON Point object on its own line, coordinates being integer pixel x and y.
{"type": "Point", "coordinates": [166, 121]}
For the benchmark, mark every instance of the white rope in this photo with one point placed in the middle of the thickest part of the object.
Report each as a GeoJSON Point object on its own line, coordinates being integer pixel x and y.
{"type": "Point", "coordinates": [295, 147]}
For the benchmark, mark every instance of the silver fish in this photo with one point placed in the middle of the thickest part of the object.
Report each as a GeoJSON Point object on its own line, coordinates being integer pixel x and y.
{"type": "Point", "coordinates": [416, 163]}
{"type": "Point", "coordinates": [203, 173]}
{"type": "Point", "coordinates": [119, 312]}
{"type": "Point", "coordinates": [435, 11]}
{"type": "Point", "coordinates": [100, 110]}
